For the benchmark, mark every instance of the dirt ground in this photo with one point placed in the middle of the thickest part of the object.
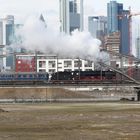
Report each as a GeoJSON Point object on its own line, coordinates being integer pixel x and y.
{"type": "Point", "coordinates": [83, 121]}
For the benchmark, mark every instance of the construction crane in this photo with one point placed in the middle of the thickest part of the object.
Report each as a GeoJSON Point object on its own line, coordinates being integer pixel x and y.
{"type": "Point", "coordinates": [130, 38]}
{"type": "Point", "coordinates": [129, 16]}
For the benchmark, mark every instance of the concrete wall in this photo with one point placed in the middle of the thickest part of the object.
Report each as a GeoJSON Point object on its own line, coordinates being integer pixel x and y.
{"type": "Point", "coordinates": [55, 93]}
{"type": "Point", "coordinates": [38, 93]}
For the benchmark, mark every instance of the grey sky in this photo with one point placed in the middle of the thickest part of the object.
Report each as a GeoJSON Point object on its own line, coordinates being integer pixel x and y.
{"type": "Point", "coordinates": [23, 8]}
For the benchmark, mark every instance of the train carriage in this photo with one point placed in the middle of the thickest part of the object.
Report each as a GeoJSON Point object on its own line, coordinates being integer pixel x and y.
{"type": "Point", "coordinates": [23, 78]}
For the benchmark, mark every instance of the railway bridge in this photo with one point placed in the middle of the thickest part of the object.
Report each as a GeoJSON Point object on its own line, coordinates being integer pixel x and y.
{"type": "Point", "coordinates": [70, 93]}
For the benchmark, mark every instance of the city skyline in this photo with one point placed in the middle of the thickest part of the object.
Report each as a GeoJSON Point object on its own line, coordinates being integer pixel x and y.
{"type": "Point", "coordinates": [71, 15]}
{"type": "Point", "coordinates": [22, 9]}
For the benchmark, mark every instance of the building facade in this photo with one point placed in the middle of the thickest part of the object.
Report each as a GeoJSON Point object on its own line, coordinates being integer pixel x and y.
{"type": "Point", "coordinates": [8, 29]}
{"type": "Point", "coordinates": [118, 20]}
{"type": "Point", "coordinates": [6, 38]}
{"type": "Point", "coordinates": [49, 63]}
{"type": "Point", "coordinates": [125, 32]}
{"type": "Point", "coordinates": [97, 26]}
{"type": "Point", "coordinates": [9, 37]}
{"type": "Point", "coordinates": [138, 47]}
{"type": "Point", "coordinates": [52, 65]}
{"type": "Point", "coordinates": [112, 43]}
{"type": "Point", "coordinates": [114, 10]}
{"type": "Point", "coordinates": [25, 63]}
{"type": "Point", "coordinates": [71, 15]}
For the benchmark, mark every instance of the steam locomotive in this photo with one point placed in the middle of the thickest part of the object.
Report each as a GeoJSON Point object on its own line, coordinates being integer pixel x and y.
{"type": "Point", "coordinates": [83, 76]}
{"type": "Point", "coordinates": [58, 77]}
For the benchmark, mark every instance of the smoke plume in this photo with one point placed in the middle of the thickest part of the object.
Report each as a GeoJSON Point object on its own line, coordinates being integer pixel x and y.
{"type": "Point", "coordinates": [36, 36]}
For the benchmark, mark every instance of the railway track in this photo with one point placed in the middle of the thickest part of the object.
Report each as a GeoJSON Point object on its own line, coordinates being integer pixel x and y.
{"type": "Point", "coordinates": [65, 83]}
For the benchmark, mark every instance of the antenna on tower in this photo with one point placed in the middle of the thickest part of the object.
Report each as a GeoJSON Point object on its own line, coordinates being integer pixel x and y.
{"type": "Point", "coordinates": [43, 20]}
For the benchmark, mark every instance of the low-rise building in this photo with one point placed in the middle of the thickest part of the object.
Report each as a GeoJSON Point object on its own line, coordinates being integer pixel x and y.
{"type": "Point", "coordinates": [25, 63]}
{"type": "Point", "coordinates": [50, 63]}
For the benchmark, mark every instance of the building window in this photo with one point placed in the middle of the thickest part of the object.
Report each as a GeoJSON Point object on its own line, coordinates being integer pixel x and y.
{"type": "Point", "coordinates": [52, 64]}
{"type": "Point", "coordinates": [88, 63]}
{"type": "Point", "coordinates": [78, 63]}
{"type": "Point", "coordinates": [69, 70]}
{"type": "Point", "coordinates": [51, 71]}
{"type": "Point", "coordinates": [67, 64]}
{"type": "Point", "coordinates": [42, 64]}
{"type": "Point", "coordinates": [88, 69]}
{"type": "Point", "coordinates": [42, 70]}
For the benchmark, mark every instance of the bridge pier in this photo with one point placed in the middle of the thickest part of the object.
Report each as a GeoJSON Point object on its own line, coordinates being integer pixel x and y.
{"type": "Point", "coordinates": [138, 95]}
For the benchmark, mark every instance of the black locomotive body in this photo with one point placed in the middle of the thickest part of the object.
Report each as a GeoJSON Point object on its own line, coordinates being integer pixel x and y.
{"type": "Point", "coordinates": [80, 76]}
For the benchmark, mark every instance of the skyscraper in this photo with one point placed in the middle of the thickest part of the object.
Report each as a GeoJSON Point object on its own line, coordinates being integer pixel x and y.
{"type": "Point", "coordinates": [118, 20]}
{"type": "Point", "coordinates": [114, 9]}
{"type": "Point", "coordinates": [8, 29]}
{"type": "Point", "coordinates": [97, 26]}
{"type": "Point", "coordinates": [71, 15]}
{"type": "Point", "coordinates": [124, 31]}
{"type": "Point", "coordinates": [6, 38]}
{"type": "Point", "coordinates": [138, 47]}
{"type": "Point", "coordinates": [9, 37]}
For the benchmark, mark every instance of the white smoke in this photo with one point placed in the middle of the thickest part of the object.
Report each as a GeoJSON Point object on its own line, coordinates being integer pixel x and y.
{"type": "Point", "coordinates": [49, 40]}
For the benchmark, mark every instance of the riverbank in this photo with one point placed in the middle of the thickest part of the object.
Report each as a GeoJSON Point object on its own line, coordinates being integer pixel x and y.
{"type": "Point", "coordinates": [71, 121]}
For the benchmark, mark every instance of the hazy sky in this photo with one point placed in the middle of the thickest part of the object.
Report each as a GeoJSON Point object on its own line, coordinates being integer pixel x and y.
{"type": "Point", "coordinates": [50, 8]}
{"type": "Point", "coordinates": [22, 9]}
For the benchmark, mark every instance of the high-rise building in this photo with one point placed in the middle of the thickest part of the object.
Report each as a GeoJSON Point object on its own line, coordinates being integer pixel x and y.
{"type": "Point", "coordinates": [2, 58]}
{"type": "Point", "coordinates": [6, 38]}
{"type": "Point", "coordinates": [114, 10]}
{"type": "Point", "coordinates": [9, 33]}
{"type": "Point", "coordinates": [8, 29]}
{"type": "Point", "coordinates": [112, 42]}
{"type": "Point", "coordinates": [118, 20]}
{"type": "Point", "coordinates": [97, 26]}
{"type": "Point", "coordinates": [124, 31]}
{"type": "Point", "coordinates": [138, 47]}
{"type": "Point", "coordinates": [93, 25]}
{"type": "Point", "coordinates": [71, 15]}
{"type": "Point", "coordinates": [1, 32]}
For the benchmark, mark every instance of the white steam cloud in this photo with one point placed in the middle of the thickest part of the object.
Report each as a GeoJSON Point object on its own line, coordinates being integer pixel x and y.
{"type": "Point", "coordinates": [50, 41]}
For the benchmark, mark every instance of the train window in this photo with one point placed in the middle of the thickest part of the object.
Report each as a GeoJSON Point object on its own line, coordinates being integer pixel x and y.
{"type": "Point", "coordinates": [30, 75]}
{"type": "Point", "coordinates": [24, 76]}
{"type": "Point", "coordinates": [19, 76]}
